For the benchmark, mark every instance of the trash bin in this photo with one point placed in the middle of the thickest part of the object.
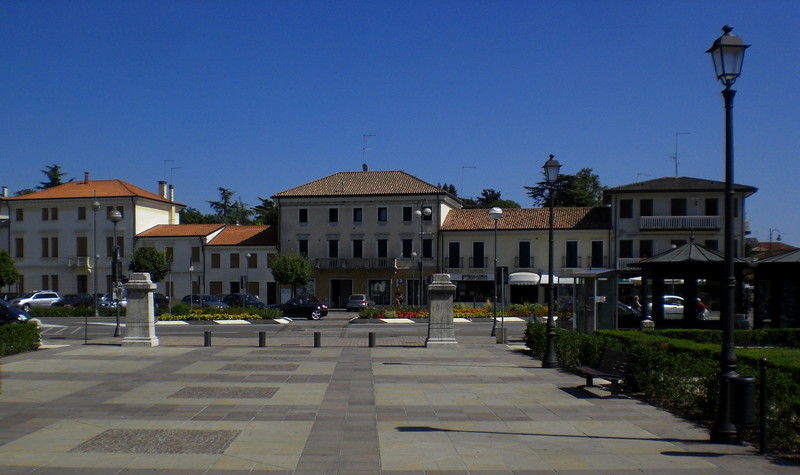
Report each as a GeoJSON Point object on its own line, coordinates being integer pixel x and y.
{"type": "Point", "coordinates": [743, 399]}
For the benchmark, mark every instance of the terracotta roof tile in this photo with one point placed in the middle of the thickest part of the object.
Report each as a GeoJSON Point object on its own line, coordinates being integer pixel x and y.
{"type": "Point", "coordinates": [246, 236]}
{"type": "Point", "coordinates": [91, 189]}
{"type": "Point", "coordinates": [180, 230]}
{"type": "Point", "coordinates": [364, 183]}
{"type": "Point", "coordinates": [529, 218]}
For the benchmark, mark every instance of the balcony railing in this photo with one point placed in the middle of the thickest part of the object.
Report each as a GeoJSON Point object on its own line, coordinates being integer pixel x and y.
{"type": "Point", "coordinates": [478, 262]}
{"type": "Point", "coordinates": [523, 263]}
{"type": "Point", "coordinates": [624, 262]}
{"type": "Point", "coordinates": [362, 263]}
{"type": "Point", "coordinates": [79, 263]}
{"type": "Point", "coordinates": [656, 223]}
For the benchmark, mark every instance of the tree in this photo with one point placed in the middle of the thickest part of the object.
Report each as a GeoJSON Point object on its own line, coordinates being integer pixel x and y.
{"type": "Point", "coordinates": [8, 272]}
{"type": "Point", "coordinates": [54, 177]}
{"type": "Point", "coordinates": [489, 198]}
{"type": "Point", "coordinates": [448, 188]}
{"type": "Point", "coordinates": [150, 260]}
{"type": "Point", "coordinates": [231, 211]}
{"type": "Point", "coordinates": [581, 189]}
{"type": "Point", "coordinates": [266, 212]}
{"type": "Point", "coordinates": [291, 270]}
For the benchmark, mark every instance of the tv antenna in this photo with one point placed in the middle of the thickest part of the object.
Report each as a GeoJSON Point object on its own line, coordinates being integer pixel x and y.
{"type": "Point", "coordinates": [675, 157]}
{"type": "Point", "coordinates": [364, 150]}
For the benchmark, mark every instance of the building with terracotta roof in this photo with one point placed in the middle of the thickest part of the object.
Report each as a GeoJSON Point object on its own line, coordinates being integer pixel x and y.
{"type": "Point", "coordinates": [54, 234]}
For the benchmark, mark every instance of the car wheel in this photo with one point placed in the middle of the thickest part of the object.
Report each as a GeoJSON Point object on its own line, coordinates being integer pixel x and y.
{"type": "Point", "coordinates": [26, 308]}
{"type": "Point", "coordinates": [316, 314]}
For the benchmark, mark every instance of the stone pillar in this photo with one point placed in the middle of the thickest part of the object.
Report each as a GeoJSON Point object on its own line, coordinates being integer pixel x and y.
{"type": "Point", "coordinates": [140, 329]}
{"type": "Point", "coordinates": [441, 332]}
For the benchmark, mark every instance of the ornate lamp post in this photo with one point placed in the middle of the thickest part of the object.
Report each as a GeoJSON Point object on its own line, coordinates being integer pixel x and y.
{"type": "Point", "coordinates": [115, 217]}
{"type": "Point", "coordinates": [727, 53]}
{"type": "Point", "coordinates": [421, 214]}
{"type": "Point", "coordinates": [495, 213]}
{"type": "Point", "coordinates": [551, 168]}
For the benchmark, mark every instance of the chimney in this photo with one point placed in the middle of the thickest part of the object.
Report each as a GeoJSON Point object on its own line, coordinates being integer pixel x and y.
{"type": "Point", "coordinates": [171, 193]}
{"type": "Point", "coordinates": [162, 189]}
{"type": "Point", "coordinates": [86, 178]}
{"type": "Point", "coordinates": [5, 191]}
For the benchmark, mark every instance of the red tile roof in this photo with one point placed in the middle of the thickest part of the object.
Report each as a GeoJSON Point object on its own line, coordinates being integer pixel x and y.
{"type": "Point", "coordinates": [528, 218]}
{"type": "Point", "coordinates": [91, 189]}
{"type": "Point", "coordinates": [246, 236]}
{"type": "Point", "coordinates": [364, 183]}
{"type": "Point", "coordinates": [180, 230]}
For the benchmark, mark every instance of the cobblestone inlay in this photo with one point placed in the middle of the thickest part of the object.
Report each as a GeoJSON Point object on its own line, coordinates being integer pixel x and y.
{"type": "Point", "coordinates": [225, 393]}
{"type": "Point", "coordinates": [159, 441]}
{"type": "Point", "coordinates": [260, 367]}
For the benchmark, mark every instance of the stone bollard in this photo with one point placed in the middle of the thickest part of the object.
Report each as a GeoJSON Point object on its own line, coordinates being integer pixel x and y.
{"type": "Point", "coordinates": [441, 331]}
{"type": "Point", "coordinates": [140, 329]}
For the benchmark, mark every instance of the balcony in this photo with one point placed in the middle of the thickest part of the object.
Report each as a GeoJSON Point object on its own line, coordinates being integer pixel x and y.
{"type": "Point", "coordinates": [682, 223]}
{"type": "Point", "coordinates": [361, 263]}
{"type": "Point", "coordinates": [79, 264]}
{"type": "Point", "coordinates": [623, 263]}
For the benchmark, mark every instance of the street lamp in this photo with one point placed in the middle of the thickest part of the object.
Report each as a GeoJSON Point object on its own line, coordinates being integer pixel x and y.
{"type": "Point", "coordinates": [95, 209]}
{"type": "Point", "coordinates": [115, 217]}
{"type": "Point", "coordinates": [246, 278]}
{"type": "Point", "coordinates": [727, 53]}
{"type": "Point", "coordinates": [495, 213]}
{"type": "Point", "coordinates": [778, 234]}
{"type": "Point", "coordinates": [551, 168]}
{"type": "Point", "coordinates": [421, 214]}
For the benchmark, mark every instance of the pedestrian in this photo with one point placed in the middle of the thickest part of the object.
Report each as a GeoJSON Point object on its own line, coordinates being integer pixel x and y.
{"type": "Point", "coordinates": [636, 304]}
{"type": "Point", "coordinates": [398, 298]}
{"type": "Point", "coordinates": [702, 310]}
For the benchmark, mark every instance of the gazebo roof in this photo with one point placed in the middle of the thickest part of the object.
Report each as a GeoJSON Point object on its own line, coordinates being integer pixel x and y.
{"type": "Point", "coordinates": [791, 257]}
{"type": "Point", "coordinates": [685, 253]}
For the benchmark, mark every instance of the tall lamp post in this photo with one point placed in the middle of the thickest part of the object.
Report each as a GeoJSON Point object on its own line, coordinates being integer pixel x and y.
{"type": "Point", "coordinates": [421, 214]}
{"type": "Point", "coordinates": [115, 217]}
{"type": "Point", "coordinates": [727, 53]}
{"type": "Point", "coordinates": [95, 209]}
{"type": "Point", "coordinates": [551, 168]}
{"type": "Point", "coordinates": [495, 213]}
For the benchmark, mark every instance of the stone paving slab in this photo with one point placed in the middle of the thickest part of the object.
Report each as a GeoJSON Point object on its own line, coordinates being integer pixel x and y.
{"type": "Point", "coordinates": [344, 408]}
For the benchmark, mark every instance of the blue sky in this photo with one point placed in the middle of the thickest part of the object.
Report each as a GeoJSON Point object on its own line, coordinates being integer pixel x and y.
{"type": "Point", "coordinates": [261, 96]}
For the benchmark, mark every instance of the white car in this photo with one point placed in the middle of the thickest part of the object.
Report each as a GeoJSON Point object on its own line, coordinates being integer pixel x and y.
{"type": "Point", "coordinates": [37, 298]}
{"type": "Point", "coordinates": [673, 307]}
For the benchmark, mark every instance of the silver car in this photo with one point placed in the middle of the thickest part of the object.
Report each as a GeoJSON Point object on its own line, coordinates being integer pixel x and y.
{"type": "Point", "coordinates": [358, 301]}
{"type": "Point", "coordinates": [37, 298]}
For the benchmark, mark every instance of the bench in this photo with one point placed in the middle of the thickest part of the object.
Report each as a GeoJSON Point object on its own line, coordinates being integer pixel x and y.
{"type": "Point", "coordinates": [613, 366]}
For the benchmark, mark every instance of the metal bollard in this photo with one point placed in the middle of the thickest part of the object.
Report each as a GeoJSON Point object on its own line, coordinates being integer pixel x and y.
{"type": "Point", "coordinates": [207, 338]}
{"type": "Point", "coordinates": [743, 399]}
{"type": "Point", "coordinates": [762, 439]}
{"type": "Point", "coordinates": [372, 339]}
{"type": "Point", "coordinates": [262, 339]}
{"type": "Point", "coordinates": [317, 339]}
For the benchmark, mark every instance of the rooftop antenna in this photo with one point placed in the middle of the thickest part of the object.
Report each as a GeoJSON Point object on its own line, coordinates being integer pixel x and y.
{"type": "Point", "coordinates": [675, 157]}
{"type": "Point", "coordinates": [165, 168]}
{"type": "Point", "coordinates": [364, 150]}
{"type": "Point", "coordinates": [461, 189]}
{"type": "Point", "coordinates": [172, 169]}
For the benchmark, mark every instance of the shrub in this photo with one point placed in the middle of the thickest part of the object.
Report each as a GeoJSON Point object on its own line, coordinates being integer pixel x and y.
{"type": "Point", "coordinates": [19, 337]}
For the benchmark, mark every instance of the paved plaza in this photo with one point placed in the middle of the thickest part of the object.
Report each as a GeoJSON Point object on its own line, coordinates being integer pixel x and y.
{"type": "Point", "coordinates": [344, 407]}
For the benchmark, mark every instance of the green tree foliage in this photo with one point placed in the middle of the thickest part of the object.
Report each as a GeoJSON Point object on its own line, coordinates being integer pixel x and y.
{"type": "Point", "coordinates": [581, 189]}
{"type": "Point", "coordinates": [291, 270]}
{"type": "Point", "coordinates": [8, 272]}
{"type": "Point", "coordinates": [150, 260]}
{"type": "Point", "coordinates": [54, 177]}
{"type": "Point", "coordinates": [448, 188]}
{"type": "Point", "coordinates": [229, 210]}
{"type": "Point", "coordinates": [191, 215]}
{"type": "Point", "coordinates": [266, 212]}
{"type": "Point", "coordinates": [489, 198]}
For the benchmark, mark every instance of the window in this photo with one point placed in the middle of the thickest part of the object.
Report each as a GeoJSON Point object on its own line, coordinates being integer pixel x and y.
{"type": "Point", "coordinates": [333, 215]}
{"type": "Point", "coordinates": [407, 213]}
{"type": "Point", "coordinates": [215, 287]}
{"type": "Point", "coordinates": [427, 248]}
{"type": "Point", "coordinates": [234, 258]}
{"type": "Point", "coordinates": [19, 247]}
{"type": "Point", "coordinates": [216, 260]}
{"type": "Point", "coordinates": [333, 248]}
{"type": "Point", "coordinates": [302, 215]}
{"type": "Point", "coordinates": [19, 214]}
{"type": "Point", "coordinates": [45, 247]}
{"type": "Point", "coordinates": [252, 260]}
{"type": "Point", "coordinates": [625, 248]}
{"type": "Point", "coordinates": [358, 215]}
{"type": "Point", "coordinates": [82, 246]}
{"type": "Point", "coordinates": [383, 214]}
{"type": "Point", "coordinates": [645, 248]}
{"type": "Point", "coordinates": [712, 207]}
{"type": "Point", "coordinates": [50, 247]}
{"type": "Point", "coordinates": [170, 254]}
{"type": "Point", "coordinates": [478, 257]}
{"type": "Point", "coordinates": [408, 246]}
{"type": "Point", "coordinates": [383, 248]}
{"type": "Point", "coordinates": [625, 209]}
{"type": "Point", "coordinates": [597, 254]}
{"type": "Point", "coordinates": [81, 213]}
{"type": "Point", "coordinates": [454, 255]}
{"type": "Point", "coordinates": [358, 248]}
{"type": "Point", "coordinates": [45, 214]}
{"type": "Point", "coordinates": [524, 254]}
{"type": "Point", "coordinates": [50, 282]}
{"type": "Point", "coordinates": [678, 207]}
{"type": "Point", "coordinates": [195, 254]}
{"type": "Point", "coordinates": [572, 258]}
{"type": "Point", "coordinates": [646, 207]}
{"type": "Point", "coordinates": [302, 247]}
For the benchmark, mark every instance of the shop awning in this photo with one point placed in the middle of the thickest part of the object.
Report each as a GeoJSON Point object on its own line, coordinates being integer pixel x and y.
{"type": "Point", "coordinates": [523, 278]}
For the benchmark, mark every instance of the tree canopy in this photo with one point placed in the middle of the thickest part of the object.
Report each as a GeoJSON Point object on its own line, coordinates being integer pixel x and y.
{"type": "Point", "coordinates": [150, 260]}
{"type": "Point", "coordinates": [8, 272]}
{"type": "Point", "coordinates": [489, 198]}
{"type": "Point", "coordinates": [54, 177]}
{"type": "Point", "coordinates": [581, 189]}
{"type": "Point", "coordinates": [291, 270]}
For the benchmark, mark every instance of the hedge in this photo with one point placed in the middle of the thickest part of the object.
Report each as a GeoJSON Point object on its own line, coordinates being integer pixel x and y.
{"type": "Point", "coordinates": [19, 338]}
{"type": "Point", "coordinates": [682, 375]}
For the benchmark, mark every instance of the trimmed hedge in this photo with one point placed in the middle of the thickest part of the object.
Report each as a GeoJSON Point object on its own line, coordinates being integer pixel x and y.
{"type": "Point", "coordinates": [682, 375]}
{"type": "Point", "coordinates": [18, 338]}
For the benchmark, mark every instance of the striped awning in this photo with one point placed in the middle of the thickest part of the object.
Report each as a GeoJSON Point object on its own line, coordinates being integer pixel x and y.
{"type": "Point", "coordinates": [523, 278]}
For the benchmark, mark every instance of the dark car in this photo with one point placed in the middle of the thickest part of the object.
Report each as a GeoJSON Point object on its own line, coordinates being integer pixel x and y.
{"type": "Point", "coordinates": [11, 314]}
{"type": "Point", "coordinates": [303, 306]}
{"type": "Point", "coordinates": [203, 300]}
{"type": "Point", "coordinates": [76, 300]}
{"type": "Point", "coordinates": [627, 316]}
{"type": "Point", "coordinates": [243, 300]}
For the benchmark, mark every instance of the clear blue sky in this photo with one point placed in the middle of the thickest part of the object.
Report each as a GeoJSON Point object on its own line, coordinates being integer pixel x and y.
{"type": "Point", "coordinates": [261, 96]}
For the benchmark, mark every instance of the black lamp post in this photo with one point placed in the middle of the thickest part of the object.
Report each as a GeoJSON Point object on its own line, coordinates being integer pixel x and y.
{"type": "Point", "coordinates": [727, 52]}
{"type": "Point", "coordinates": [422, 214]}
{"type": "Point", "coordinates": [95, 209]}
{"type": "Point", "coordinates": [115, 217]}
{"type": "Point", "coordinates": [495, 213]}
{"type": "Point", "coordinates": [551, 168]}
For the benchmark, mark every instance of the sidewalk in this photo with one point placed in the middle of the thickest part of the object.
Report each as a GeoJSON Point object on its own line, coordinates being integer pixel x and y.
{"type": "Point", "coordinates": [340, 408]}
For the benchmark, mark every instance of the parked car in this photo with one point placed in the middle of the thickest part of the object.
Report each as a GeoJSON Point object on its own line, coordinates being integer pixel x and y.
{"type": "Point", "coordinates": [243, 300]}
{"type": "Point", "coordinates": [627, 316]}
{"type": "Point", "coordinates": [11, 314]}
{"type": "Point", "coordinates": [107, 300]}
{"type": "Point", "coordinates": [358, 301]}
{"type": "Point", "coordinates": [673, 307]}
{"type": "Point", "coordinates": [37, 298]}
{"type": "Point", "coordinates": [161, 300]}
{"type": "Point", "coordinates": [75, 300]}
{"type": "Point", "coordinates": [203, 300]}
{"type": "Point", "coordinates": [303, 306]}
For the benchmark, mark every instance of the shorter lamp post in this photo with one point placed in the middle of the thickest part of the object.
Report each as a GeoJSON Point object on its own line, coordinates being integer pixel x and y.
{"type": "Point", "coordinates": [495, 214]}
{"type": "Point", "coordinates": [191, 293]}
{"type": "Point", "coordinates": [421, 214]}
{"type": "Point", "coordinates": [551, 168]}
{"type": "Point", "coordinates": [246, 278]}
{"type": "Point", "coordinates": [115, 217]}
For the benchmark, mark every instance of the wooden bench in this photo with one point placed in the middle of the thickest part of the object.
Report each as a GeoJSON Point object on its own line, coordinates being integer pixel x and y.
{"type": "Point", "coordinates": [613, 367]}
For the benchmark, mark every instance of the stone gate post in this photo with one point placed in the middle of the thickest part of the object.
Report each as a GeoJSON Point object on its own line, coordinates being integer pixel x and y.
{"type": "Point", "coordinates": [140, 329]}
{"type": "Point", "coordinates": [441, 332]}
